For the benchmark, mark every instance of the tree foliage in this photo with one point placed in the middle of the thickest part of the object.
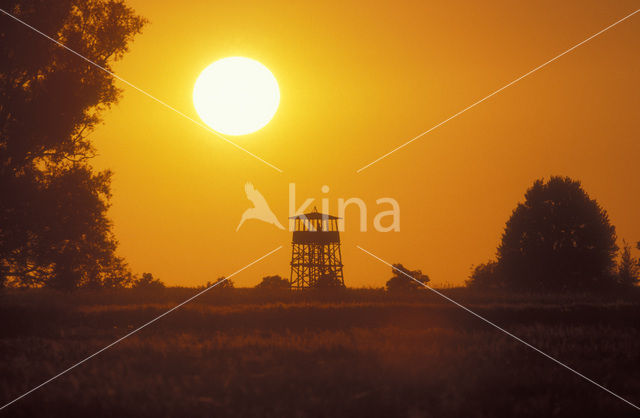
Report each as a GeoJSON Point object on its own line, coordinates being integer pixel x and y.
{"type": "Point", "coordinates": [405, 280]}
{"type": "Point", "coordinates": [628, 268]}
{"type": "Point", "coordinates": [54, 228]}
{"type": "Point", "coordinates": [222, 283]}
{"type": "Point", "coordinates": [484, 276]}
{"type": "Point", "coordinates": [558, 239]}
{"type": "Point", "coordinates": [147, 282]}
{"type": "Point", "coordinates": [273, 283]}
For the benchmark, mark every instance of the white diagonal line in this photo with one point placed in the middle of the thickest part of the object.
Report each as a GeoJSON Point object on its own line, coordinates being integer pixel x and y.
{"type": "Point", "coordinates": [142, 91]}
{"type": "Point", "coordinates": [139, 328]}
{"type": "Point", "coordinates": [496, 92]}
{"type": "Point", "coordinates": [501, 329]}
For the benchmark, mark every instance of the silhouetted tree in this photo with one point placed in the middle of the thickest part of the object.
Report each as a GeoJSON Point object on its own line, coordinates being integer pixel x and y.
{"type": "Point", "coordinates": [273, 283]}
{"type": "Point", "coordinates": [118, 275]}
{"type": "Point", "coordinates": [53, 208]}
{"type": "Point", "coordinates": [224, 283]}
{"type": "Point", "coordinates": [485, 276]}
{"type": "Point", "coordinates": [628, 268]}
{"type": "Point", "coordinates": [401, 283]}
{"type": "Point", "coordinates": [558, 239]}
{"type": "Point", "coordinates": [147, 282]}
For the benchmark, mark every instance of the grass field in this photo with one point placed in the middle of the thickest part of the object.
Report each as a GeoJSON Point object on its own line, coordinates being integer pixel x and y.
{"type": "Point", "coordinates": [358, 353]}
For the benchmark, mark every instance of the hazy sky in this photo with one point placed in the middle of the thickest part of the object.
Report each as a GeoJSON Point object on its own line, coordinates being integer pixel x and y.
{"type": "Point", "coordinates": [357, 80]}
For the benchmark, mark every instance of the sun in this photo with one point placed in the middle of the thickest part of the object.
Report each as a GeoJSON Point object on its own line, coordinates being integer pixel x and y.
{"type": "Point", "coordinates": [236, 95]}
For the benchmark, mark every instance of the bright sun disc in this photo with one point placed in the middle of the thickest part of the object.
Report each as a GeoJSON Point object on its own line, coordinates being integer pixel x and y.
{"type": "Point", "coordinates": [236, 95]}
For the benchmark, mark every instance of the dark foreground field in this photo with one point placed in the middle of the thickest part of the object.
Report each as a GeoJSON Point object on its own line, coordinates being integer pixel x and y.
{"type": "Point", "coordinates": [361, 353]}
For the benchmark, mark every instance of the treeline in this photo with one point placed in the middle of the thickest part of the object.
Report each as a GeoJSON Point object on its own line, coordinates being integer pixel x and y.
{"type": "Point", "coordinates": [403, 280]}
{"type": "Point", "coordinates": [558, 240]}
{"type": "Point", "coordinates": [54, 230]}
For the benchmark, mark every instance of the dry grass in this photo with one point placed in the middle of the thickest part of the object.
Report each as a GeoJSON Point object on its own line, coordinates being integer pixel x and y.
{"type": "Point", "coordinates": [355, 354]}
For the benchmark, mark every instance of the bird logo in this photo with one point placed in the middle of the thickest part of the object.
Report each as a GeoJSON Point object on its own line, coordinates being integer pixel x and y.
{"type": "Point", "coordinates": [260, 209]}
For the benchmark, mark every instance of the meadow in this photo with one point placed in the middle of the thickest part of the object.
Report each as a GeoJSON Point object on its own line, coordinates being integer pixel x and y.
{"type": "Point", "coordinates": [360, 352]}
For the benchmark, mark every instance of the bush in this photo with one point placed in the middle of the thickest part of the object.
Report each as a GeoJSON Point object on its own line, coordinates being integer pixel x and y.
{"type": "Point", "coordinates": [222, 283]}
{"type": "Point", "coordinates": [328, 281]}
{"type": "Point", "coordinates": [147, 282]}
{"type": "Point", "coordinates": [401, 283]}
{"type": "Point", "coordinates": [273, 283]}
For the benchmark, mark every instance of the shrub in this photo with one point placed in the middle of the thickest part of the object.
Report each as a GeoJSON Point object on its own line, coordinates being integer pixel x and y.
{"type": "Point", "coordinates": [148, 282]}
{"type": "Point", "coordinates": [273, 283]}
{"type": "Point", "coordinates": [401, 283]}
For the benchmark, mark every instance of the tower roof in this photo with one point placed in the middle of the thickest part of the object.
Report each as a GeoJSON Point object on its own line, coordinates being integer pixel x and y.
{"type": "Point", "coordinates": [314, 215]}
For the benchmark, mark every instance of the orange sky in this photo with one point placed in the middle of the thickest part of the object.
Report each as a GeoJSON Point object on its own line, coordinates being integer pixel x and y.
{"type": "Point", "coordinates": [357, 80]}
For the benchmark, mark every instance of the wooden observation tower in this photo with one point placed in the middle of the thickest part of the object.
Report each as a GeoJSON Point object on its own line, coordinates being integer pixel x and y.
{"type": "Point", "coordinates": [315, 251]}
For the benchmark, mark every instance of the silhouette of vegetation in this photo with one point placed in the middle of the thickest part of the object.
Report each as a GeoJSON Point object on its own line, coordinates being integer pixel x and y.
{"type": "Point", "coordinates": [484, 276]}
{"type": "Point", "coordinates": [559, 239]}
{"type": "Point", "coordinates": [54, 229]}
{"type": "Point", "coordinates": [147, 282]}
{"type": "Point", "coordinates": [273, 283]}
{"type": "Point", "coordinates": [328, 282]}
{"type": "Point", "coordinates": [628, 268]}
{"type": "Point", "coordinates": [223, 283]}
{"type": "Point", "coordinates": [400, 283]}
